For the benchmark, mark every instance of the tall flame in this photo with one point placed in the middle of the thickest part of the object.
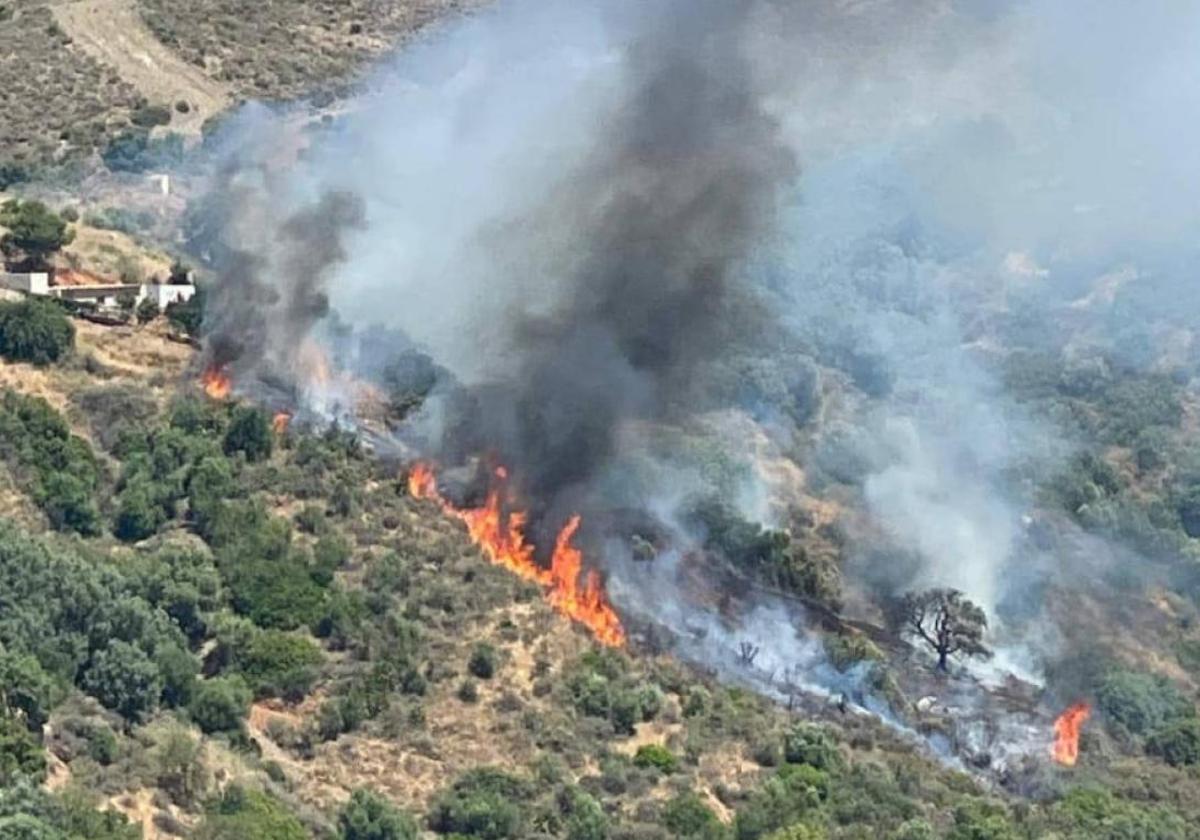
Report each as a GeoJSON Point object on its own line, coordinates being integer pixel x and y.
{"type": "Point", "coordinates": [1066, 733]}
{"type": "Point", "coordinates": [216, 382]}
{"type": "Point", "coordinates": [279, 423]}
{"type": "Point", "coordinates": [501, 536]}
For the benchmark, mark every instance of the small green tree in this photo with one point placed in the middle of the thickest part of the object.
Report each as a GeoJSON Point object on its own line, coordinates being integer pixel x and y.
{"type": "Point", "coordinates": [243, 814]}
{"type": "Point", "coordinates": [139, 512]}
{"type": "Point", "coordinates": [34, 232]}
{"type": "Point", "coordinates": [1178, 743]}
{"type": "Point", "coordinates": [147, 310]}
{"type": "Point", "coordinates": [249, 432]}
{"type": "Point", "coordinates": [21, 756]}
{"type": "Point", "coordinates": [220, 704]}
{"type": "Point", "coordinates": [25, 689]}
{"type": "Point", "coordinates": [943, 619]}
{"type": "Point", "coordinates": [482, 663]}
{"type": "Point", "coordinates": [368, 816]}
{"type": "Point", "coordinates": [35, 330]}
{"type": "Point", "coordinates": [124, 679]}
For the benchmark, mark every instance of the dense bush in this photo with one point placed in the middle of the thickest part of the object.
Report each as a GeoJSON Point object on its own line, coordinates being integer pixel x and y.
{"type": "Point", "coordinates": [82, 622]}
{"type": "Point", "coordinates": [485, 803]}
{"type": "Point", "coordinates": [656, 756]}
{"type": "Point", "coordinates": [368, 816]}
{"type": "Point", "coordinates": [483, 661]}
{"type": "Point", "coordinates": [250, 433]}
{"type": "Point", "coordinates": [1141, 702]}
{"type": "Point", "coordinates": [686, 815]}
{"type": "Point", "coordinates": [768, 554]}
{"type": "Point", "coordinates": [35, 330]}
{"type": "Point", "coordinates": [241, 814]}
{"type": "Point", "coordinates": [34, 232]}
{"type": "Point", "coordinates": [220, 704]}
{"type": "Point", "coordinates": [1177, 743]}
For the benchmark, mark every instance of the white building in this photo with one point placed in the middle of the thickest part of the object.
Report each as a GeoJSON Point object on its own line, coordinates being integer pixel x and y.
{"type": "Point", "coordinates": [107, 295]}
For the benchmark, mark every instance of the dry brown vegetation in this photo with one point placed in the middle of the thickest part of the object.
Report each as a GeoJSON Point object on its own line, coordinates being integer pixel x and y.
{"type": "Point", "coordinates": [288, 48]}
{"type": "Point", "coordinates": [56, 99]}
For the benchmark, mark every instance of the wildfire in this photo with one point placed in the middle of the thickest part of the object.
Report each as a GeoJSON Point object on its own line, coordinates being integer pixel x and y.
{"type": "Point", "coordinates": [1066, 733]}
{"type": "Point", "coordinates": [216, 382]}
{"type": "Point", "coordinates": [501, 536]}
{"type": "Point", "coordinates": [279, 423]}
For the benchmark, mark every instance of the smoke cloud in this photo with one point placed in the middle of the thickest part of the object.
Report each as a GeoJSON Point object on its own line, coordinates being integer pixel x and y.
{"type": "Point", "coordinates": [597, 216]}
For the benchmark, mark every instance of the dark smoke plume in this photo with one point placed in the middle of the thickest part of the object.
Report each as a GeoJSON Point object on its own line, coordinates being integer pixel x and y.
{"type": "Point", "coordinates": [673, 200]}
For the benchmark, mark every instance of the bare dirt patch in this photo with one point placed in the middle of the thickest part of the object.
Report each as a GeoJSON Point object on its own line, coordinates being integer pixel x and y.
{"type": "Point", "coordinates": [112, 32]}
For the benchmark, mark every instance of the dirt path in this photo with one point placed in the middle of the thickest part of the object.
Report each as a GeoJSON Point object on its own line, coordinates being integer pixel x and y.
{"type": "Point", "coordinates": [112, 32]}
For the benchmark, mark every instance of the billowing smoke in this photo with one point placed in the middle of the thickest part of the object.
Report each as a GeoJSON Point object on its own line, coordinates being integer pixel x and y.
{"type": "Point", "coordinates": [603, 220]}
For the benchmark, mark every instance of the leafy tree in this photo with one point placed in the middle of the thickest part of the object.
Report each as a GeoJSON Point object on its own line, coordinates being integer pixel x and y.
{"type": "Point", "coordinates": [25, 689]}
{"type": "Point", "coordinates": [34, 231]}
{"type": "Point", "coordinates": [278, 663]}
{"type": "Point", "coordinates": [368, 816]}
{"type": "Point", "coordinates": [249, 432]}
{"type": "Point", "coordinates": [35, 330]}
{"type": "Point", "coordinates": [1177, 743]}
{"type": "Point", "coordinates": [686, 815]}
{"type": "Point", "coordinates": [483, 659]}
{"type": "Point", "coordinates": [187, 315]}
{"type": "Point", "coordinates": [485, 803]}
{"type": "Point", "coordinates": [656, 756]}
{"type": "Point", "coordinates": [1141, 702]}
{"type": "Point", "coordinates": [69, 505]}
{"type": "Point", "coordinates": [242, 814]}
{"type": "Point", "coordinates": [943, 619]}
{"type": "Point", "coordinates": [220, 704]}
{"type": "Point", "coordinates": [124, 679]}
{"type": "Point", "coordinates": [178, 669]}
{"type": "Point", "coordinates": [21, 756]}
{"type": "Point", "coordinates": [811, 745]}
{"type": "Point", "coordinates": [147, 310]}
{"type": "Point", "coordinates": [139, 512]}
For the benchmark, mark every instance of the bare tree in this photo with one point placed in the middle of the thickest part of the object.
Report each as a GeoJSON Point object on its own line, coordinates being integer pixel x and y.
{"type": "Point", "coordinates": [746, 653]}
{"type": "Point", "coordinates": [944, 619]}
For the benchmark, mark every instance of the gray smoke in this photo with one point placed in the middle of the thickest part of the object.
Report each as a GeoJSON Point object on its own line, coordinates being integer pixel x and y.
{"type": "Point", "coordinates": [607, 219]}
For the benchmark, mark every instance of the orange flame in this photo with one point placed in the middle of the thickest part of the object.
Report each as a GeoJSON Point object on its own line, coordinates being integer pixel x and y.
{"type": "Point", "coordinates": [1066, 733]}
{"type": "Point", "coordinates": [279, 423]}
{"type": "Point", "coordinates": [501, 536]}
{"type": "Point", "coordinates": [216, 382]}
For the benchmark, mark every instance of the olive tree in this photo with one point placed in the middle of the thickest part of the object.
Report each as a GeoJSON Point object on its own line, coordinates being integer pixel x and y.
{"type": "Point", "coordinates": [944, 619]}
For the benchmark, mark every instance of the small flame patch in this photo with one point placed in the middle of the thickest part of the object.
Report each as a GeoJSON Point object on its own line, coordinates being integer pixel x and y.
{"type": "Point", "coordinates": [216, 382]}
{"type": "Point", "coordinates": [501, 535]}
{"type": "Point", "coordinates": [279, 423]}
{"type": "Point", "coordinates": [1066, 733]}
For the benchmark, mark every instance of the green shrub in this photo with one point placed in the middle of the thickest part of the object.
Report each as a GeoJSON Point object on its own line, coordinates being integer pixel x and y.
{"type": "Point", "coordinates": [280, 664]}
{"type": "Point", "coordinates": [485, 803]}
{"type": "Point", "coordinates": [220, 704]}
{"type": "Point", "coordinates": [21, 756]}
{"type": "Point", "coordinates": [242, 814]}
{"type": "Point", "coordinates": [34, 232]}
{"type": "Point", "coordinates": [250, 433]}
{"type": "Point", "coordinates": [811, 745]}
{"type": "Point", "coordinates": [125, 679]}
{"type": "Point", "coordinates": [1177, 743]}
{"type": "Point", "coordinates": [368, 816]}
{"type": "Point", "coordinates": [656, 756]}
{"type": "Point", "coordinates": [26, 689]}
{"type": "Point", "coordinates": [35, 330]}
{"type": "Point", "coordinates": [686, 815]}
{"type": "Point", "coordinates": [468, 691]}
{"type": "Point", "coordinates": [1141, 702]}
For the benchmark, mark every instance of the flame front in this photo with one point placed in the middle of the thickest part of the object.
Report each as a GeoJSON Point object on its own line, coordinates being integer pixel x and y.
{"type": "Point", "coordinates": [1066, 733]}
{"type": "Point", "coordinates": [501, 536]}
{"type": "Point", "coordinates": [279, 423]}
{"type": "Point", "coordinates": [216, 382]}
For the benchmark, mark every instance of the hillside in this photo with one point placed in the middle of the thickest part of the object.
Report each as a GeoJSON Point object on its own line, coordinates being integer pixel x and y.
{"type": "Point", "coordinates": [612, 420]}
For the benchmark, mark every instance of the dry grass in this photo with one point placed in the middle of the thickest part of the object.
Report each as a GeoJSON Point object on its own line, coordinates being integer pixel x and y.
{"type": "Point", "coordinates": [58, 102]}
{"type": "Point", "coordinates": [287, 48]}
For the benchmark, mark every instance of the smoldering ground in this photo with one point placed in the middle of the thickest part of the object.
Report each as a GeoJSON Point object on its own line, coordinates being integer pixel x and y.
{"type": "Point", "coordinates": [590, 214]}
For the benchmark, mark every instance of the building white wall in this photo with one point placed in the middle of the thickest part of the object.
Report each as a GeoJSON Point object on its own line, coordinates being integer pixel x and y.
{"type": "Point", "coordinates": [31, 283]}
